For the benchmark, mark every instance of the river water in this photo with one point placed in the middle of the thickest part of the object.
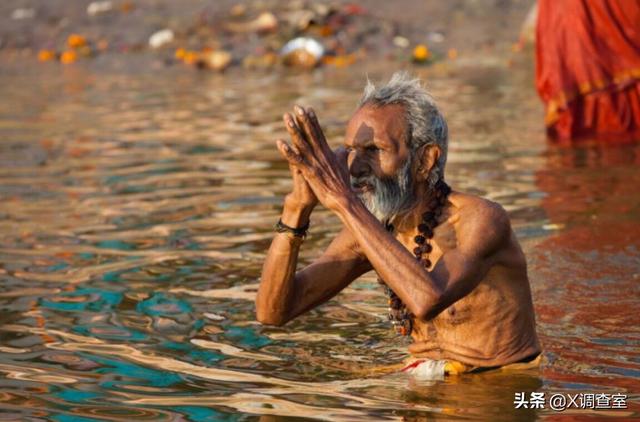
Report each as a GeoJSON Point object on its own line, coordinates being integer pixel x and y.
{"type": "Point", "coordinates": [137, 202]}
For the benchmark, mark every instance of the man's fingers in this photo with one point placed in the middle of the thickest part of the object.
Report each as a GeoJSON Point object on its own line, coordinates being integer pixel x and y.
{"type": "Point", "coordinates": [313, 119]}
{"type": "Point", "coordinates": [289, 152]}
{"type": "Point", "coordinates": [297, 137]}
{"type": "Point", "coordinates": [304, 126]}
{"type": "Point", "coordinates": [304, 123]}
{"type": "Point", "coordinates": [309, 121]}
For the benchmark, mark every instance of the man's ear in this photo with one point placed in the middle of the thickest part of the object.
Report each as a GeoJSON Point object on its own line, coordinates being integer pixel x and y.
{"type": "Point", "coordinates": [427, 158]}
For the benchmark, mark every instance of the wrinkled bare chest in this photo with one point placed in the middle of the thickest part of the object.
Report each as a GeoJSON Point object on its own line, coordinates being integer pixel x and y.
{"type": "Point", "coordinates": [457, 314]}
{"type": "Point", "coordinates": [473, 310]}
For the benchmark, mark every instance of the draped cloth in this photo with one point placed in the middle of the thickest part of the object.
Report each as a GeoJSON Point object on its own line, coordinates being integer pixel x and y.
{"type": "Point", "coordinates": [428, 369]}
{"type": "Point", "coordinates": [588, 68]}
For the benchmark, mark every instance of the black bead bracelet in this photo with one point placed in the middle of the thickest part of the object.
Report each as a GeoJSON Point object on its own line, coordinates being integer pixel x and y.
{"type": "Point", "coordinates": [300, 232]}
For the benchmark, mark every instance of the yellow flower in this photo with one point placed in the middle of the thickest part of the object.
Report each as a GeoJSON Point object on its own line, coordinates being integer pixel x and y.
{"type": "Point", "coordinates": [421, 53]}
{"type": "Point", "coordinates": [46, 55]}
{"type": "Point", "coordinates": [76, 41]}
{"type": "Point", "coordinates": [340, 61]}
{"type": "Point", "coordinates": [68, 57]}
{"type": "Point", "coordinates": [191, 57]}
{"type": "Point", "coordinates": [180, 53]}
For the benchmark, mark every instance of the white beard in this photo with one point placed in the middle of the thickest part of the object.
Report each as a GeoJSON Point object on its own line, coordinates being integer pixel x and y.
{"type": "Point", "coordinates": [390, 197]}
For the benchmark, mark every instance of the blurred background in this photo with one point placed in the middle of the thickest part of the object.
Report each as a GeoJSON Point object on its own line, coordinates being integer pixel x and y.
{"type": "Point", "coordinates": [139, 185]}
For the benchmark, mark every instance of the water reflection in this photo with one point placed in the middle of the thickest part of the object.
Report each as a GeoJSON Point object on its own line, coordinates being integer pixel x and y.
{"type": "Point", "coordinates": [137, 207]}
{"type": "Point", "coordinates": [590, 191]}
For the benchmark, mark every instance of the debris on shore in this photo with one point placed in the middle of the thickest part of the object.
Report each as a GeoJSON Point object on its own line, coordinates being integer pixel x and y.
{"type": "Point", "coordinates": [76, 46]}
{"type": "Point", "coordinates": [258, 35]}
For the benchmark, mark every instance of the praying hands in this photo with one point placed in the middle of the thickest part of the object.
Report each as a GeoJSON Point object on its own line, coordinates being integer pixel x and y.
{"type": "Point", "coordinates": [310, 156]}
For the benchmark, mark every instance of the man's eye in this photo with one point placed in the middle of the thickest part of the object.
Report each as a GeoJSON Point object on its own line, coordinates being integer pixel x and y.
{"type": "Point", "coordinates": [372, 148]}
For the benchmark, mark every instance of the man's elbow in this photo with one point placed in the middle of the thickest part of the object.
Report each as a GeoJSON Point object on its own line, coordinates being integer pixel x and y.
{"type": "Point", "coordinates": [270, 318]}
{"type": "Point", "coordinates": [269, 313]}
{"type": "Point", "coordinates": [431, 308]}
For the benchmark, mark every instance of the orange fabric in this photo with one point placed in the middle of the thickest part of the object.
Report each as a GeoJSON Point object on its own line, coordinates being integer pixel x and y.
{"type": "Point", "coordinates": [588, 68]}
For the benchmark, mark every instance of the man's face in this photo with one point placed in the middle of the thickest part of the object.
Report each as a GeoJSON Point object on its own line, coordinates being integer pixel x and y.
{"type": "Point", "coordinates": [379, 161]}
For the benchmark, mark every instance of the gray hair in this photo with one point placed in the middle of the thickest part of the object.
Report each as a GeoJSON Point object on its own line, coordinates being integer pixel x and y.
{"type": "Point", "coordinates": [425, 124]}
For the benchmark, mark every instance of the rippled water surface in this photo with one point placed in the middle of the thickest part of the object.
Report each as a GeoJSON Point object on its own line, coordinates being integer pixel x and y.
{"type": "Point", "coordinates": [137, 203]}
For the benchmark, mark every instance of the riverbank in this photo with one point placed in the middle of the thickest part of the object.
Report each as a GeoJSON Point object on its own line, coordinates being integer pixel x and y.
{"type": "Point", "coordinates": [229, 35]}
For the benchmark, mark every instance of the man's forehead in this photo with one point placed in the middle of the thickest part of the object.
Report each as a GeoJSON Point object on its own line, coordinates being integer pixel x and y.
{"type": "Point", "coordinates": [387, 121]}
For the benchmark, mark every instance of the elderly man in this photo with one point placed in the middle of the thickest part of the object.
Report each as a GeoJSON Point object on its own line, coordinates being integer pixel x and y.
{"type": "Point", "coordinates": [454, 272]}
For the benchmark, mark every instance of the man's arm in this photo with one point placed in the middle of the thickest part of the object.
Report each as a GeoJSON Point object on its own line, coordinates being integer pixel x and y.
{"type": "Point", "coordinates": [425, 294]}
{"type": "Point", "coordinates": [481, 238]}
{"type": "Point", "coordinates": [285, 294]}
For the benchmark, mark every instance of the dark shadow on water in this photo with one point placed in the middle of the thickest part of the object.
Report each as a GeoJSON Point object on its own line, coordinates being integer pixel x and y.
{"type": "Point", "coordinates": [488, 396]}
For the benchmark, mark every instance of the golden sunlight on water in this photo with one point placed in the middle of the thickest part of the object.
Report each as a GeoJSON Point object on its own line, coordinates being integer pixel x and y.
{"type": "Point", "coordinates": [137, 206]}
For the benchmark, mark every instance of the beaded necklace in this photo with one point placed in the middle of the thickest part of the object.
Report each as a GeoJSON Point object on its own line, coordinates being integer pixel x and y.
{"type": "Point", "coordinates": [399, 315]}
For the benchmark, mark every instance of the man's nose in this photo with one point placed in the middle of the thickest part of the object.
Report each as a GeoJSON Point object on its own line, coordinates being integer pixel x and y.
{"type": "Point", "coordinates": [357, 166]}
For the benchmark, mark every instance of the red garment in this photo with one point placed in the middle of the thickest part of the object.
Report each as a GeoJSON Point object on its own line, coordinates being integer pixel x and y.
{"type": "Point", "coordinates": [588, 68]}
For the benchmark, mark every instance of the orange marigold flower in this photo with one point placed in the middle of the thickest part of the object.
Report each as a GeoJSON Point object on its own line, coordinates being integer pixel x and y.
{"type": "Point", "coordinates": [421, 53]}
{"type": "Point", "coordinates": [76, 41]}
{"type": "Point", "coordinates": [46, 55]}
{"type": "Point", "coordinates": [180, 53]}
{"type": "Point", "coordinates": [68, 57]}
{"type": "Point", "coordinates": [191, 57]}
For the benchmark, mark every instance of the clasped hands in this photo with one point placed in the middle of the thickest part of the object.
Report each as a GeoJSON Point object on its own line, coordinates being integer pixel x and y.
{"type": "Point", "coordinates": [319, 174]}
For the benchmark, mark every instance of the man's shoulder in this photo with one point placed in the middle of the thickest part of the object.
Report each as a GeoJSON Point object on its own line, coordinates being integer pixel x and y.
{"type": "Point", "coordinates": [482, 219]}
{"type": "Point", "coordinates": [480, 210]}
